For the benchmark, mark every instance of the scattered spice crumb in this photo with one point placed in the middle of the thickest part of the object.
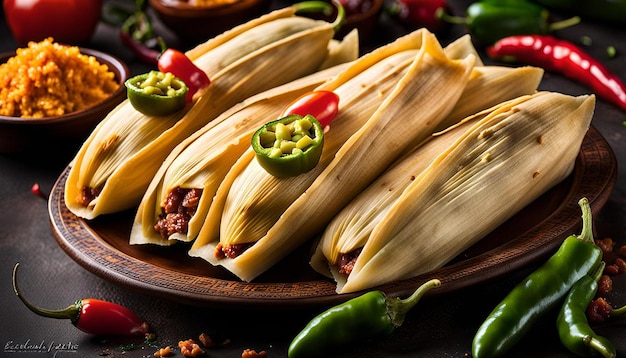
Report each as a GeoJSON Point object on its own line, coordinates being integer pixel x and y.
{"type": "Point", "coordinates": [208, 341]}
{"type": "Point", "coordinates": [611, 51]}
{"type": "Point", "coordinates": [190, 348]}
{"type": "Point", "coordinates": [164, 352]}
{"type": "Point", "coordinates": [251, 353]}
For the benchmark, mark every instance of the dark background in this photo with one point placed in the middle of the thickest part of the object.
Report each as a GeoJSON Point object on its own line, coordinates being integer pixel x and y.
{"type": "Point", "coordinates": [438, 328]}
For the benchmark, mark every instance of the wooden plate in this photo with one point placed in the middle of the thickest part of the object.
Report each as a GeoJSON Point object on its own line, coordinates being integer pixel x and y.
{"type": "Point", "coordinates": [101, 246]}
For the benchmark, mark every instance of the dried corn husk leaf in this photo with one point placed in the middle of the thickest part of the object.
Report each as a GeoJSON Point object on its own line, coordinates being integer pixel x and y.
{"type": "Point", "coordinates": [432, 83]}
{"type": "Point", "coordinates": [121, 156]}
{"type": "Point", "coordinates": [496, 168]}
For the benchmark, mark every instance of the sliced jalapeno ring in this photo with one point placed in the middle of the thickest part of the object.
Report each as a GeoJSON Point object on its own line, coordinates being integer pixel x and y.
{"type": "Point", "coordinates": [289, 146]}
{"type": "Point", "coordinates": [156, 93]}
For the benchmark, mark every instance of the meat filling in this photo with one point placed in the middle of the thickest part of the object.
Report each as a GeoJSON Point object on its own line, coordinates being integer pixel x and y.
{"type": "Point", "coordinates": [347, 261]}
{"type": "Point", "coordinates": [180, 206]}
{"type": "Point", "coordinates": [232, 250]}
{"type": "Point", "coordinates": [87, 194]}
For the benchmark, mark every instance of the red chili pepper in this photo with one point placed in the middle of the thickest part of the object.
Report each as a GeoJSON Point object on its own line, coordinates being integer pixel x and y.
{"type": "Point", "coordinates": [418, 13]}
{"type": "Point", "coordinates": [563, 57]}
{"type": "Point", "coordinates": [181, 66]}
{"type": "Point", "coordinates": [323, 105]}
{"type": "Point", "coordinates": [91, 315]}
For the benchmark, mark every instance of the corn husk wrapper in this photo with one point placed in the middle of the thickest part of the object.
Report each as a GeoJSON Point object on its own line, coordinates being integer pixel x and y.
{"type": "Point", "coordinates": [432, 83]}
{"type": "Point", "coordinates": [497, 167]}
{"type": "Point", "coordinates": [202, 160]}
{"type": "Point", "coordinates": [125, 150]}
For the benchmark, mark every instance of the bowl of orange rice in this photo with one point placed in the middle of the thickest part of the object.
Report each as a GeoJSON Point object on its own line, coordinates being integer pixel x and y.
{"type": "Point", "coordinates": [52, 94]}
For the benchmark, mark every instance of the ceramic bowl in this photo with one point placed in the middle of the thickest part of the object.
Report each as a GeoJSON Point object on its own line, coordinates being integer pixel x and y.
{"type": "Point", "coordinates": [22, 134]}
{"type": "Point", "coordinates": [196, 24]}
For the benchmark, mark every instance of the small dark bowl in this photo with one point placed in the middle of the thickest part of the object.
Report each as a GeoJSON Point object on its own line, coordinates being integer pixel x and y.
{"type": "Point", "coordinates": [195, 24]}
{"type": "Point", "coordinates": [23, 134]}
{"type": "Point", "coordinates": [365, 21]}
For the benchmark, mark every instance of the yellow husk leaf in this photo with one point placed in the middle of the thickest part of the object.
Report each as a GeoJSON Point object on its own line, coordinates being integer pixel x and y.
{"type": "Point", "coordinates": [125, 150]}
{"type": "Point", "coordinates": [432, 83]}
{"type": "Point", "coordinates": [496, 168]}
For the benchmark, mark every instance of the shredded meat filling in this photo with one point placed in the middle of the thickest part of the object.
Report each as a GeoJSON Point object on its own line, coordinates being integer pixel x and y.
{"type": "Point", "coordinates": [180, 206]}
{"type": "Point", "coordinates": [347, 261]}
{"type": "Point", "coordinates": [232, 250]}
{"type": "Point", "coordinates": [87, 194]}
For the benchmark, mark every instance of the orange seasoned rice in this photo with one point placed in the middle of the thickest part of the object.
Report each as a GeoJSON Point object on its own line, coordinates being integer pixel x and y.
{"type": "Point", "coordinates": [49, 79]}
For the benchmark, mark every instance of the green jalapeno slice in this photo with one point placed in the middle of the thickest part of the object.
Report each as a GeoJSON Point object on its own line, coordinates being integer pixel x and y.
{"type": "Point", "coordinates": [156, 93]}
{"type": "Point", "coordinates": [289, 146]}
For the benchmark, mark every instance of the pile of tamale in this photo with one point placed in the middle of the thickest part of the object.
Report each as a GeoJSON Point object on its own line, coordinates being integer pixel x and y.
{"type": "Point", "coordinates": [430, 151]}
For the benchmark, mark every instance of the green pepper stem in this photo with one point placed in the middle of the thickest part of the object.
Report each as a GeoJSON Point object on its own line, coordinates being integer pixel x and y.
{"type": "Point", "coordinates": [618, 311]}
{"type": "Point", "coordinates": [586, 234]}
{"type": "Point", "coordinates": [71, 312]}
{"type": "Point", "coordinates": [441, 14]}
{"type": "Point", "coordinates": [398, 308]}
{"type": "Point", "coordinates": [325, 7]}
{"type": "Point", "coordinates": [598, 347]}
{"type": "Point", "coordinates": [560, 25]}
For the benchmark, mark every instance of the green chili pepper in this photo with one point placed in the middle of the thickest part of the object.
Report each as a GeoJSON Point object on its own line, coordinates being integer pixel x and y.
{"type": "Point", "coordinates": [539, 292]}
{"type": "Point", "coordinates": [572, 325]}
{"type": "Point", "coordinates": [370, 315]}
{"type": "Point", "coordinates": [289, 146]}
{"type": "Point", "coordinates": [156, 93]}
{"type": "Point", "coordinates": [491, 20]}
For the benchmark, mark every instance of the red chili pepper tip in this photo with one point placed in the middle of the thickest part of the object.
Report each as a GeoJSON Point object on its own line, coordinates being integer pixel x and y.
{"type": "Point", "coordinates": [323, 105]}
{"type": "Point", "coordinates": [36, 189]}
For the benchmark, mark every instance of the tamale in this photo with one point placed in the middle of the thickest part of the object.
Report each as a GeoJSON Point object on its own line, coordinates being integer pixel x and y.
{"type": "Point", "coordinates": [497, 167]}
{"type": "Point", "coordinates": [113, 168]}
{"type": "Point", "coordinates": [432, 82]}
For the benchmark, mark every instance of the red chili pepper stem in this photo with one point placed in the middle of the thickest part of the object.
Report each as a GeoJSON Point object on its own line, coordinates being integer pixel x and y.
{"type": "Point", "coordinates": [90, 315]}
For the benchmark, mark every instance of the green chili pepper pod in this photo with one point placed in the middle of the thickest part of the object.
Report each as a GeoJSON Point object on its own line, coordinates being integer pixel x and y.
{"type": "Point", "coordinates": [541, 291]}
{"type": "Point", "coordinates": [156, 93]}
{"type": "Point", "coordinates": [367, 316]}
{"type": "Point", "coordinates": [289, 146]}
{"type": "Point", "coordinates": [489, 21]}
{"type": "Point", "coordinates": [572, 325]}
